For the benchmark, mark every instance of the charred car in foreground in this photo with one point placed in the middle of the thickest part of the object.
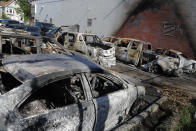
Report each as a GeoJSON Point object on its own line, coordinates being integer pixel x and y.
{"type": "Point", "coordinates": [90, 45]}
{"type": "Point", "coordinates": [132, 51]}
{"type": "Point", "coordinates": [63, 92]}
{"type": "Point", "coordinates": [170, 62]}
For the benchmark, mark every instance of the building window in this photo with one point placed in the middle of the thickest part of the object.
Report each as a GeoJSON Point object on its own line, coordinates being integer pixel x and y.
{"type": "Point", "coordinates": [50, 20]}
{"type": "Point", "coordinates": [10, 10]}
{"type": "Point", "coordinates": [89, 22]}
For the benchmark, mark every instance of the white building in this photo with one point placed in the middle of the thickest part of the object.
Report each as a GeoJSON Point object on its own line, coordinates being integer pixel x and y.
{"type": "Point", "coordinates": [9, 8]}
{"type": "Point", "coordinates": [102, 17]}
{"type": "Point", "coordinates": [1, 11]}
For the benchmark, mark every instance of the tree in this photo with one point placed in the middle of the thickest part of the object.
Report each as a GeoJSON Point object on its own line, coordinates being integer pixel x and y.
{"type": "Point", "coordinates": [4, 16]}
{"type": "Point", "coordinates": [24, 10]}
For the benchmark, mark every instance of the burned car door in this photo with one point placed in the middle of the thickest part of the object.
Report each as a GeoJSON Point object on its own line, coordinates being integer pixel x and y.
{"type": "Point", "coordinates": [110, 100]}
{"type": "Point", "coordinates": [60, 105]}
{"type": "Point", "coordinates": [134, 52]}
{"type": "Point", "coordinates": [122, 50]}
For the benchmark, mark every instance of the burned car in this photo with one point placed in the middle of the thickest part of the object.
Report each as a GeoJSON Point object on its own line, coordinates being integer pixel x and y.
{"type": "Point", "coordinates": [91, 45]}
{"type": "Point", "coordinates": [34, 30]}
{"type": "Point", "coordinates": [132, 51]}
{"type": "Point", "coordinates": [170, 62]}
{"type": "Point", "coordinates": [56, 32]}
{"type": "Point", "coordinates": [22, 42]}
{"type": "Point", "coordinates": [63, 92]}
{"type": "Point", "coordinates": [45, 27]}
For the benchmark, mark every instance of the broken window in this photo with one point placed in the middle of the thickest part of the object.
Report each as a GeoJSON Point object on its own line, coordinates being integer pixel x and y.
{"type": "Point", "coordinates": [110, 39]}
{"type": "Point", "coordinates": [80, 38]}
{"type": "Point", "coordinates": [52, 96]}
{"type": "Point", "coordinates": [5, 84]}
{"type": "Point", "coordinates": [171, 54]}
{"type": "Point", "coordinates": [102, 84]}
{"type": "Point", "coordinates": [13, 47]}
{"type": "Point", "coordinates": [30, 46]}
{"type": "Point", "coordinates": [62, 38]}
{"type": "Point", "coordinates": [147, 47]}
{"type": "Point", "coordinates": [160, 51]}
{"type": "Point", "coordinates": [114, 40]}
{"type": "Point", "coordinates": [89, 39]}
{"type": "Point", "coordinates": [71, 37]}
{"type": "Point", "coordinates": [123, 43]}
{"type": "Point", "coordinates": [97, 39]}
{"type": "Point", "coordinates": [134, 45]}
{"type": "Point", "coordinates": [6, 47]}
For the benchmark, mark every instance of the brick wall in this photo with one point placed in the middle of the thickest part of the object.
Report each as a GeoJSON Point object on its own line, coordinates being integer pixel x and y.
{"type": "Point", "coordinates": [187, 12]}
{"type": "Point", "coordinates": [159, 25]}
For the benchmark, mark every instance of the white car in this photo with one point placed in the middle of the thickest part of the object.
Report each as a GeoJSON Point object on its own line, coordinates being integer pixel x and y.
{"type": "Point", "coordinates": [90, 45]}
{"type": "Point", "coordinates": [171, 62]}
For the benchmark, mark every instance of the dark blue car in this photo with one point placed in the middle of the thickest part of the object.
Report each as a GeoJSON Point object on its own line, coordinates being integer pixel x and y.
{"type": "Point", "coordinates": [45, 27]}
{"type": "Point", "coordinates": [12, 24]}
{"type": "Point", "coordinates": [35, 31]}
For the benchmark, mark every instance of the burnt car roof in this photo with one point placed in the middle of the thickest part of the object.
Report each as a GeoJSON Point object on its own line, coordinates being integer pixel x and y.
{"type": "Point", "coordinates": [131, 39]}
{"type": "Point", "coordinates": [25, 67]}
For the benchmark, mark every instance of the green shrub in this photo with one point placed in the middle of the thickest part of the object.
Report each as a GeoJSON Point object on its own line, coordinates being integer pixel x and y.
{"type": "Point", "coordinates": [186, 115]}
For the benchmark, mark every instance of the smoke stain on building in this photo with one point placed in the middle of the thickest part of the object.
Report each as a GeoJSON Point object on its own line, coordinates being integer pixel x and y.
{"type": "Point", "coordinates": [156, 21]}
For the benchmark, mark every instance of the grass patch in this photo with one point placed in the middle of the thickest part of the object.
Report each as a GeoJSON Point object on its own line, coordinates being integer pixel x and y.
{"type": "Point", "coordinates": [186, 116]}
